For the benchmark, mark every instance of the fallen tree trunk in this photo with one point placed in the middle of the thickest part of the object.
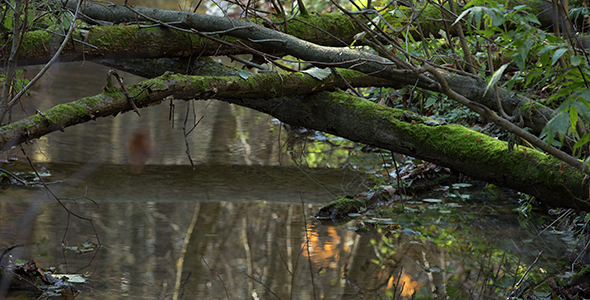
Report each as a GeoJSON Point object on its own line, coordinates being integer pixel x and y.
{"type": "Point", "coordinates": [535, 115]}
{"type": "Point", "coordinates": [294, 99]}
{"type": "Point", "coordinates": [154, 42]}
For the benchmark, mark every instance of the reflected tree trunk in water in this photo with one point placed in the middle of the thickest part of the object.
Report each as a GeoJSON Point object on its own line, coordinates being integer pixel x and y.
{"type": "Point", "coordinates": [248, 254]}
{"type": "Point", "coordinates": [200, 241]}
{"type": "Point", "coordinates": [186, 242]}
{"type": "Point", "coordinates": [223, 135]}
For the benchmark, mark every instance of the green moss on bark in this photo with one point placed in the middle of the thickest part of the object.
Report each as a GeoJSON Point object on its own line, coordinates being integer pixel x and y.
{"type": "Point", "coordinates": [341, 207]}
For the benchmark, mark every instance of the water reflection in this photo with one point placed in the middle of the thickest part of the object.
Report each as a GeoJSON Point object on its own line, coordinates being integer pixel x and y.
{"type": "Point", "coordinates": [236, 226]}
{"type": "Point", "coordinates": [220, 231]}
{"type": "Point", "coordinates": [225, 134]}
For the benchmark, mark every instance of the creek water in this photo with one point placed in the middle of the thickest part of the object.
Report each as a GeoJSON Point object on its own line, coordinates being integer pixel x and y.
{"type": "Point", "coordinates": [238, 224]}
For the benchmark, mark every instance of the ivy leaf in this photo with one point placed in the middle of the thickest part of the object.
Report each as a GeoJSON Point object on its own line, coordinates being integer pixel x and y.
{"type": "Point", "coordinates": [573, 117]}
{"type": "Point", "coordinates": [575, 60]}
{"type": "Point", "coordinates": [581, 107]}
{"type": "Point", "coordinates": [495, 77]}
{"type": "Point", "coordinates": [557, 55]}
{"type": "Point", "coordinates": [583, 141]}
{"type": "Point", "coordinates": [497, 20]}
{"type": "Point", "coordinates": [243, 74]}
{"type": "Point", "coordinates": [463, 14]}
{"type": "Point", "coordinates": [559, 124]}
{"type": "Point", "coordinates": [585, 94]}
{"type": "Point", "coordinates": [317, 73]}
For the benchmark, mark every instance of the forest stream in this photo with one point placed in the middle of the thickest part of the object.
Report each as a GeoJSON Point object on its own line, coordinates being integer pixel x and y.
{"type": "Point", "coordinates": [239, 224]}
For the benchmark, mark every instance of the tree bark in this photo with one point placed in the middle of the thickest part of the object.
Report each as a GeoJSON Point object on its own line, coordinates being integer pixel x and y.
{"type": "Point", "coordinates": [155, 42]}
{"type": "Point", "coordinates": [535, 115]}
{"type": "Point", "coordinates": [289, 98]}
{"type": "Point", "coordinates": [294, 99]}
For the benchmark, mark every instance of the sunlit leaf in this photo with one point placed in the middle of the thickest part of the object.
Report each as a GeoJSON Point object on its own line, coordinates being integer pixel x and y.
{"type": "Point", "coordinates": [430, 101]}
{"type": "Point", "coordinates": [582, 108]}
{"type": "Point", "coordinates": [544, 59]}
{"type": "Point", "coordinates": [583, 141]}
{"type": "Point", "coordinates": [431, 200]}
{"type": "Point", "coordinates": [317, 73]}
{"type": "Point", "coordinates": [585, 95]}
{"type": "Point", "coordinates": [546, 49]}
{"type": "Point", "coordinates": [462, 185]}
{"type": "Point", "coordinates": [576, 12]}
{"type": "Point", "coordinates": [462, 15]}
{"type": "Point", "coordinates": [523, 52]}
{"type": "Point", "coordinates": [533, 19]}
{"type": "Point", "coordinates": [573, 116]}
{"type": "Point", "coordinates": [519, 7]}
{"type": "Point", "coordinates": [519, 61]}
{"type": "Point", "coordinates": [73, 278]}
{"type": "Point", "coordinates": [497, 19]}
{"type": "Point", "coordinates": [477, 15]}
{"type": "Point", "coordinates": [496, 77]}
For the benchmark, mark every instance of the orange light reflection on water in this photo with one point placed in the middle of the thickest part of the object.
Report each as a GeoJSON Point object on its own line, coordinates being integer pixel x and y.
{"type": "Point", "coordinates": [324, 253]}
{"type": "Point", "coordinates": [409, 286]}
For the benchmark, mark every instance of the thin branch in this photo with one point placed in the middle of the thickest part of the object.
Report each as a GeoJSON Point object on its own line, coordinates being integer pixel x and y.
{"type": "Point", "coordinates": [490, 115]}
{"type": "Point", "coordinates": [129, 98]}
{"type": "Point", "coordinates": [70, 213]}
{"type": "Point", "coordinates": [51, 61]}
{"type": "Point", "coordinates": [219, 277]}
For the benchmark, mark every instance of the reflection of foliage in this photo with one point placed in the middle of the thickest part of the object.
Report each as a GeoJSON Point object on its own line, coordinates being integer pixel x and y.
{"type": "Point", "coordinates": [319, 150]}
{"type": "Point", "coordinates": [478, 255]}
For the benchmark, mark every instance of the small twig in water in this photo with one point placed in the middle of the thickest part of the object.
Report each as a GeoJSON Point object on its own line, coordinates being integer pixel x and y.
{"type": "Point", "coordinates": [262, 283]}
{"type": "Point", "coordinates": [529, 268]}
{"type": "Point", "coordinates": [307, 244]}
{"type": "Point", "coordinates": [61, 203]}
{"type": "Point", "coordinates": [217, 274]}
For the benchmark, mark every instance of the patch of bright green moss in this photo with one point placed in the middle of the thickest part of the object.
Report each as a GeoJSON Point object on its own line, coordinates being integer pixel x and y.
{"type": "Point", "coordinates": [62, 112]}
{"type": "Point", "coordinates": [340, 208]}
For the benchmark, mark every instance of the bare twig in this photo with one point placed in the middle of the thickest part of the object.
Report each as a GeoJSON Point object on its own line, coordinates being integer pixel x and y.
{"type": "Point", "coordinates": [529, 268]}
{"type": "Point", "coordinates": [16, 98]}
{"type": "Point", "coordinates": [129, 98]}
{"type": "Point", "coordinates": [264, 285]}
{"type": "Point", "coordinates": [219, 277]}
{"type": "Point", "coordinates": [70, 213]}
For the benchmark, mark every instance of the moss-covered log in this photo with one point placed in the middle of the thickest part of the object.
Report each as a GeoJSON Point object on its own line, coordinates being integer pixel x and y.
{"type": "Point", "coordinates": [133, 41]}
{"type": "Point", "coordinates": [472, 153]}
{"type": "Point", "coordinates": [307, 42]}
{"type": "Point", "coordinates": [344, 57]}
